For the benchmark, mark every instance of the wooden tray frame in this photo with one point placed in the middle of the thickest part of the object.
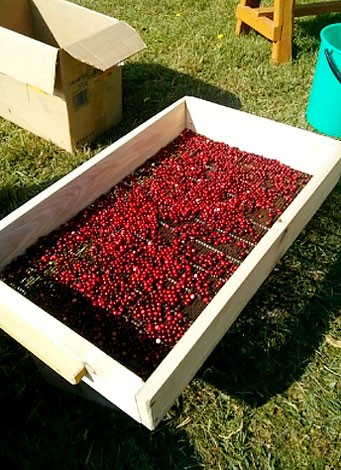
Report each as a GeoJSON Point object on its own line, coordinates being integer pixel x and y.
{"type": "Point", "coordinates": [75, 358]}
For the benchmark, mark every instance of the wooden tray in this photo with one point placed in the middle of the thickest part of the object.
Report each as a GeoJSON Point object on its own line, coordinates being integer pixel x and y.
{"type": "Point", "coordinates": [75, 358]}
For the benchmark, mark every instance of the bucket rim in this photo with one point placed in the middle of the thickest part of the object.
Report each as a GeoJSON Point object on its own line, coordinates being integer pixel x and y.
{"type": "Point", "coordinates": [325, 39]}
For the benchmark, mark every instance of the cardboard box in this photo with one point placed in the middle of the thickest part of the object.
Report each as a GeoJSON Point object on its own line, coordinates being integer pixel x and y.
{"type": "Point", "coordinates": [75, 358]}
{"type": "Point", "coordinates": [59, 69]}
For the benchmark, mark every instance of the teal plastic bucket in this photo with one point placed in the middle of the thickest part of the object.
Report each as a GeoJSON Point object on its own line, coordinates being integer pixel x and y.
{"type": "Point", "coordinates": [324, 106]}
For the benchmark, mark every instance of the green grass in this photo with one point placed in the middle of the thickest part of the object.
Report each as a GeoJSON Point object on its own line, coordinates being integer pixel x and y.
{"type": "Point", "coordinates": [269, 395]}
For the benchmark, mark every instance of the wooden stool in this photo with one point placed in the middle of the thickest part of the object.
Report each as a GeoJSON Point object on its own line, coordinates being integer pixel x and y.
{"type": "Point", "coordinates": [276, 22]}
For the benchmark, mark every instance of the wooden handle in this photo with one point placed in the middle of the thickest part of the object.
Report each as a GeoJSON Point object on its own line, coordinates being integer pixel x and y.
{"type": "Point", "coordinates": [62, 361]}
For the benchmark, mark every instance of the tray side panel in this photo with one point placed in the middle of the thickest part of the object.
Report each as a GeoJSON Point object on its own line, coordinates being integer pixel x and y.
{"type": "Point", "coordinates": [178, 368]}
{"type": "Point", "coordinates": [302, 150]}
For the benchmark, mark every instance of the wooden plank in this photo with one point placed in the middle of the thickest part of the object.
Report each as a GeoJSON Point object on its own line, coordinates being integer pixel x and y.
{"type": "Point", "coordinates": [240, 26]}
{"type": "Point", "coordinates": [318, 8]}
{"type": "Point", "coordinates": [306, 9]}
{"type": "Point", "coordinates": [177, 369]}
{"type": "Point", "coordinates": [65, 198]}
{"type": "Point", "coordinates": [262, 25]}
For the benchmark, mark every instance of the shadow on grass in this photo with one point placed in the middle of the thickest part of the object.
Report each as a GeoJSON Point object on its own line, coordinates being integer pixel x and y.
{"type": "Point", "coordinates": [276, 336]}
{"type": "Point", "coordinates": [12, 196]}
{"type": "Point", "coordinates": [307, 32]}
{"type": "Point", "coordinates": [149, 88]}
{"type": "Point", "coordinates": [46, 427]}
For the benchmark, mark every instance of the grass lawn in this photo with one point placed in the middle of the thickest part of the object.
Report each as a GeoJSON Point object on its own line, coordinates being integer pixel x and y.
{"type": "Point", "coordinates": [269, 397]}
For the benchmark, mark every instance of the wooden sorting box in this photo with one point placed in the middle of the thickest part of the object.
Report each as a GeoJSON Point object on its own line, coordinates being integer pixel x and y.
{"type": "Point", "coordinates": [75, 358]}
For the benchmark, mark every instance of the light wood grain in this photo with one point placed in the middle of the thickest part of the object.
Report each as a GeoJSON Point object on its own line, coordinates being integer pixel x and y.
{"type": "Point", "coordinates": [241, 26]}
{"type": "Point", "coordinates": [253, 18]}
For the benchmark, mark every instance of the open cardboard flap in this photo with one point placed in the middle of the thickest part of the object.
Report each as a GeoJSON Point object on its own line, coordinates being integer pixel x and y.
{"type": "Point", "coordinates": [54, 25]}
{"type": "Point", "coordinates": [108, 47]}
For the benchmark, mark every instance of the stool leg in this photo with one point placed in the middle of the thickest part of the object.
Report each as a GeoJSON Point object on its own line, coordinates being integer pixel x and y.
{"type": "Point", "coordinates": [283, 17]}
{"type": "Point", "coordinates": [240, 26]}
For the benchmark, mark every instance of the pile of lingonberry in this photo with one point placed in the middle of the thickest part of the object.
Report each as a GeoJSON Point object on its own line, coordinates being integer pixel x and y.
{"type": "Point", "coordinates": [132, 271]}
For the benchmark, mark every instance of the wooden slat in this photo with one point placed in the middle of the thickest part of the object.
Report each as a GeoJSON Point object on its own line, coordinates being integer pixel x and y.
{"type": "Point", "coordinates": [263, 25]}
{"type": "Point", "coordinates": [240, 26]}
{"type": "Point", "coordinates": [306, 9]}
{"type": "Point", "coordinates": [309, 9]}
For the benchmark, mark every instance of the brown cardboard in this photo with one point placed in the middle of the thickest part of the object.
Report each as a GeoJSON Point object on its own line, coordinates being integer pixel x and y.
{"type": "Point", "coordinates": [59, 69]}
